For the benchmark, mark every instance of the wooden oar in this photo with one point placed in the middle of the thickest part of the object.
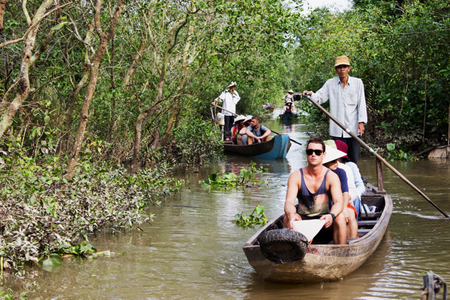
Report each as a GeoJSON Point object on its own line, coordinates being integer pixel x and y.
{"type": "Point", "coordinates": [376, 154]}
{"type": "Point", "coordinates": [294, 141]}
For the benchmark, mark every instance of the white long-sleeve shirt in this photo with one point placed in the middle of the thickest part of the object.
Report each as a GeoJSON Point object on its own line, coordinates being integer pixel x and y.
{"type": "Point", "coordinates": [347, 105]}
{"type": "Point", "coordinates": [229, 101]}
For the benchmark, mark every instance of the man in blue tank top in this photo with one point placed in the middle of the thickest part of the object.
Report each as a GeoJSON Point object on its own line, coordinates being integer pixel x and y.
{"type": "Point", "coordinates": [318, 192]}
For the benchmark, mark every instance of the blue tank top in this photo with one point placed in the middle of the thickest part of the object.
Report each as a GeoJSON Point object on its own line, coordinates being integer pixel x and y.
{"type": "Point", "coordinates": [315, 204]}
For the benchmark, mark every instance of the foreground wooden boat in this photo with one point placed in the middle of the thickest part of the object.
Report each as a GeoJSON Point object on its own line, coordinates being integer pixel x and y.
{"type": "Point", "coordinates": [326, 262]}
{"type": "Point", "coordinates": [276, 148]}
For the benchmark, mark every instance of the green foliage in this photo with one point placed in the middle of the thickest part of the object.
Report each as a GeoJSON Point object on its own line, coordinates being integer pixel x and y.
{"type": "Point", "coordinates": [83, 249]}
{"type": "Point", "coordinates": [196, 141]}
{"type": "Point", "coordinates": [257, 217]}
{"type": "Point", "coordinates": [43, 213]}
{"type": "Point", "coordinates": [8, 295]}
{"type": "Point", "coordinates": [400, 154]}
{"type": "Point", "coordinates": [399, 50]}
{"type": "Point", "coordinates": [231, 180]}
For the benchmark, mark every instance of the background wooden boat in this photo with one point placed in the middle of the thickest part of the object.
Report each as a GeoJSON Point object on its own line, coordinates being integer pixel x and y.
{"type": "Point", "coordinates": [326, 262]}
{"type": "Point", "coordinates": [277, 147]}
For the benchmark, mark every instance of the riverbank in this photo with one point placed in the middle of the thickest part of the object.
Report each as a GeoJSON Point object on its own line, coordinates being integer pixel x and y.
{"type": "Point", "coordinates": [43, 213]}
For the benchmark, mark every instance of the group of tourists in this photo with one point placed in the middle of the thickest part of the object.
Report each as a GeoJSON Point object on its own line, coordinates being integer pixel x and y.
{"type": "Point", "coordinates": [330, 186]}
{"type": "Point", "coordinates": [240, 130]}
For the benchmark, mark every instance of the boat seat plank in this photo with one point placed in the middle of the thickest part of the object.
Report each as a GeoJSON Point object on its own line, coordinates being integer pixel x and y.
{"type": "Point", "coordinates": [367, 222]}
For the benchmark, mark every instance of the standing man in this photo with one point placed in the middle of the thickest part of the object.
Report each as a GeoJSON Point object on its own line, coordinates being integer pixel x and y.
{"type": "Point", "coordinates": [316, 188]}
{"type": "Point", "coordinates": [289, 97]}
{"type": "Point", "coordinates": [347, 105]}
{"type": "Point", "coordinates": [230, 98]}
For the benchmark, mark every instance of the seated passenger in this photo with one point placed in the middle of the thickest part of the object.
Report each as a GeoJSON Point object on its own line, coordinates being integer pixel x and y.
{"type": "Point", "coordinates": [242, 136]}
{"type": "Point", "coordinates": [238, 124]}
{"type": "Point", "coordinates": [359, 187]}
{"type": "Point", "coordinates": [312, 186]}
{"type": "Point", "coordinates": [256, 132]}
{"type": "Point", "coordinates": [331, 162]}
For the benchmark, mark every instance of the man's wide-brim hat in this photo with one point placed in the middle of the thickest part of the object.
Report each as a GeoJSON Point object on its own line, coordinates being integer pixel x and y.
{"type": "Point", "coordinates": [233, 83]}
{"type": "Point", "coordinates": [239, 118]}
{"type": "Point", "coordinates": [290, 91]}
{"type": "Point", "coordinates": [342, 61]}
{"type": "Point", "coordinates": [332, 154]}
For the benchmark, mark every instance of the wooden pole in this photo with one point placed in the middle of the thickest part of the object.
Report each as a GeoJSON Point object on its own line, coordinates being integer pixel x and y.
{"type": "Point", "coordinates": [376, 155]}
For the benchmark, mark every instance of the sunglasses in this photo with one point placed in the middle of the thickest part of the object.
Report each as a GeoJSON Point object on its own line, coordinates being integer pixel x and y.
{"type": "Point", "coordinates": [316, 151]}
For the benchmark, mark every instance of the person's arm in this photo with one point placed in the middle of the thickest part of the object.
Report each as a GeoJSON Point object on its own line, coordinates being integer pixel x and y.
{"type": "Point", "coordinates": [236, 97]}
{"type": "Point", "coordinates": [322, 95]}
{"type": "Point", "coordinates": [293, 185]}
{"type": "Point", "coordinates": [362, 108]}
{"type": "Point", "coordinates": [266, 133]}
{"type": "Point", "coordinates": [334, 185]}
{"type": "Point", "coordinates": [219, 99]}
{"type": "Point", "coordinates": [360, 187]}
{"type": "Point", "coordinates": [250, 133]}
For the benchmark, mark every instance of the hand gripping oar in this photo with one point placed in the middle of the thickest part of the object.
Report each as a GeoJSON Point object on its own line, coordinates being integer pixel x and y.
{"type": "Point", "coordinates": [294, 141]}
{"type": "Point", "coordinates": [376, 154]}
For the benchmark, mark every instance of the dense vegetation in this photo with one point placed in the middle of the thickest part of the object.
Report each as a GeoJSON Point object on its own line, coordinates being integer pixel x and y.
{"type": "Point", "coordinates": [89, 88]}
{"type": "Point", "coordinates": [400, 51]}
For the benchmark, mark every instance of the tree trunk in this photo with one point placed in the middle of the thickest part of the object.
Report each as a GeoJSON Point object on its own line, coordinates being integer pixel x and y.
{"type": "Point", "coordinates": [132, 68]}
{"type": "Point", "coordinates": [23, 84]}
{"type": "Point", "coordinates": [170, 43]}
{"type": "Point", "coordinates": [76, 91]}
{"type": "Point", "coordinates": [104, 39]}
{"type": "Point", "coordinates": [137, 136]}
{"type": "Point", "coordinates": [2, 13]}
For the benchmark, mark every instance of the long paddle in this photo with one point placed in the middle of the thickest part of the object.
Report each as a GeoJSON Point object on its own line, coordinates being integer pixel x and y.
{"type": "Point", "coordinates": [376, 154]}
{"type": "Point", "coordinates": [294, 141]}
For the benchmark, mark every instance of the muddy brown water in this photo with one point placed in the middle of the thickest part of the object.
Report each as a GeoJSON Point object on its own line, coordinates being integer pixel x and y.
{"type": "Point", "coordinates": [192, 251]}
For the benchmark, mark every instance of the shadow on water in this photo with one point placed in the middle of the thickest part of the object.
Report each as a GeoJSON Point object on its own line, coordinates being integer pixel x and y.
{"type": "Point", "coordinates": [192, 251]}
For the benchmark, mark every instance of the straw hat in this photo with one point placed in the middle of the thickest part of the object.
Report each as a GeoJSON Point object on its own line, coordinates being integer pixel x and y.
{"type": "Point", "coordinates": [248, 118]}
{"type": "Point", "coordinates": [233, 83]}
{"type": "Point", "coordinates": [332, 154]}
{"type": "Point", "coordinates": [239, 118]}
{"type": "Point", "coordinates": [342, 61]}
{"type": "Point", "coordinates": [290, 91]}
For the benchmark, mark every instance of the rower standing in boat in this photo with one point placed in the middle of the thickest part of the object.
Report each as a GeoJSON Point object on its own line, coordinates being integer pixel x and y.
{"type": "Point", "coordinates": [230, 98]}
{"type": "Point", "coordinates": [289, 97]}
{"type": "Point", "coordinates": [326, 189]}
{"type": "Point", "coordinates": [256, 132]}
{"type": "Point", "coordinates": [347, 105]}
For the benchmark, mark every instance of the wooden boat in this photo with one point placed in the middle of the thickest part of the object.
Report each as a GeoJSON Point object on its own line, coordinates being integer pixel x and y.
{"type": "Point", "coordinates": [326, 262]}
{"type": "Point", "coordinates": [276, 148]}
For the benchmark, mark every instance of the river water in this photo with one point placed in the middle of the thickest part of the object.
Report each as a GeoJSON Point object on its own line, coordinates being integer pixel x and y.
{"type": "Point", "coordinates": [192, 251]}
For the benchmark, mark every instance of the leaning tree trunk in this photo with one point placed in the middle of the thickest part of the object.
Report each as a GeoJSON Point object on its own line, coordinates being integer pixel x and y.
{"type": "Point", "coordinates": [2, 13]}
{"type": "Point", "coordinates": [23, 84]}
{"type": "Point", "coordinates": [76, 91]}
{"type": "Point", "coordinates": [104, 39]}
{"type": "Point", "coordinates": [171, 42]}
{"type": "Point", "coordinates": [138, 135]}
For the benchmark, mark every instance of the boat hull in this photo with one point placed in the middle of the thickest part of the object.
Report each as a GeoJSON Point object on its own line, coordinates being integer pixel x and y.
{"type": "Point", "coordinates": [323, 262]}
{"type": "Point", "coordinates": [276, 148]}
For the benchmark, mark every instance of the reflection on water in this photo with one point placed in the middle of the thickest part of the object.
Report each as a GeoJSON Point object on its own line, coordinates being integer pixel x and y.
{"type": "Point", "coordinates": [192, 251]}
